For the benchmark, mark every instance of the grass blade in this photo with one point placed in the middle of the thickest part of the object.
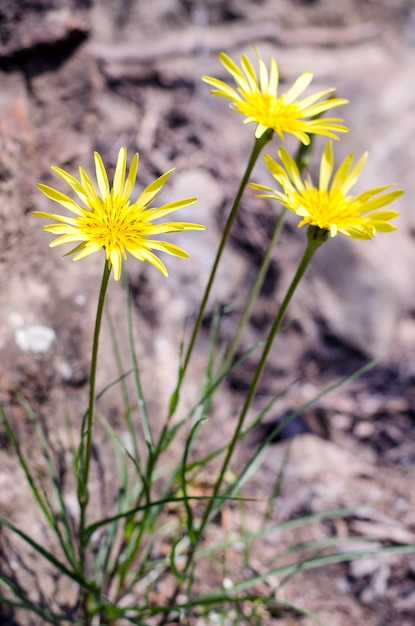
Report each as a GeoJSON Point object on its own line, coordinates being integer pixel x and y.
{"type": "Point", "coordinates": [30, 479]}
{"type": "Point", "coordinates": [73, 575]}
{"type": "Point", "coordinates": [123, 386]}
{"type": "Point", "coordinates": [67, 541]}
{"type": "Point", "coordinates": [139, 390]}
{"type": "Point", "coordinates": [316, 562]}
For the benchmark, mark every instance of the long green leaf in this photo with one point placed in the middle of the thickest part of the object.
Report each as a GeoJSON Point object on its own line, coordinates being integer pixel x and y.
{"type": "Point", "coordinates": [49, 556]}
{"type": "Point", "coordinates": [124, 501]}
{"type": "Point", "coordinates": [214, 598]}
{"type": "Point", "coordinates": [279, 527]}
{"type": "Point", "coordinates": [276, 490]}
{"type": "Point", "coordinates": [209, 457]}
{"type": "Point", "coordinates": [139, 390]}
{"type": "Point", "coordinates": [30, 479]}
{"type": "Point", "coordinates": [67, 541]}
{"type": "Point", "coordinates": [93, 527]}
{"type": "Point", "coordinates": [316, 562]}
{"type": "Point", "coordinates": [235, 596]}
{"type": "Point", "coordinates": [189, 512]}
{"type": "Point", "coordinates": [246, 472]}
{"type": "Point", "coordinates": [48, 616]}
{"type": "Point", "coordinates": [123, 386]}
{"type": "Point", "coordinates": [292, 606]}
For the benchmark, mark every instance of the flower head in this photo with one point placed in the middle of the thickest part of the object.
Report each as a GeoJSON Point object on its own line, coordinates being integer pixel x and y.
{"type": "Point", "coordinates": [257, 98]}
{"type": "Point", "coordinates": [108, 219]}
{"type": "Point", "coordinates": [329, 206]}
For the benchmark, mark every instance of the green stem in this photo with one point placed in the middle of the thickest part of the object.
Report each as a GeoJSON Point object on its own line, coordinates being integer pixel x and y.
{"type": "Point", "coordinates": [253, 296]}
{"type": "Point", "coordinates": [139, 389]}
{"type": "Point", "coordinates": [316, 237]}
{"type": "Point", "coordinates": [258, 146]}
{"type": "Point", "coordinates": [85, 460]}
{"type": "Point", "coordinates": [302, 159]}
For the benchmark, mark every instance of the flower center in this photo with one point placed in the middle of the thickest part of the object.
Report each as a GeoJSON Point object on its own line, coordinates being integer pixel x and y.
{"type": "Point", "coordinates": [325, 209]}
{"type": "Point", "coordinates": [112, 224]}
{"type": "Point", "coordinates": [270, 111]}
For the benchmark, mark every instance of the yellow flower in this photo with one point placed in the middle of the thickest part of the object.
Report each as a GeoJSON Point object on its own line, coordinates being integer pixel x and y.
{"type": "Point", "coordinates": [109, 220]}
{"type": "Point", "coordinates": [257, 99]}
{"type": "Point", "coordinates": [329, 206]}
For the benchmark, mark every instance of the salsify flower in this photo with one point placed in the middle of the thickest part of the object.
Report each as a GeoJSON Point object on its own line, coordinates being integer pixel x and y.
{"type": "Point", "coordinates": [329, 206]}
{"type": "Point", "coordinates": [257, 98]}
{"type": "Point", "coordinates": [108, 219]}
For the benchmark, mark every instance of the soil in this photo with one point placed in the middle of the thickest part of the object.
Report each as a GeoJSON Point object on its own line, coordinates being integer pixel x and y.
{"type": "Point", "coordinates": [79, 76]}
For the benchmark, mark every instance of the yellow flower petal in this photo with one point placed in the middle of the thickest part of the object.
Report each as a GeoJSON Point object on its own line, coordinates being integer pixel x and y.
{"type": "Point", "coordinates": [53, 216]}
{"type": "Point", "coordinates": [380, 201]}
{"type": "Point", "coordinates": [250, 73]}
{"type": "Point", "coordinates": [101, 174]}
{"type": "Point", "coordinates": [147, 255]}
{"type": "Point", "coordinates": [109, 219]}
{"type": "Point", "coordinates": [326, 167]}
{"type": "Point", "coordinates": [165, 209]}
{"type": "Point", "coordinates": [88, 187]}
{"type": "Point", "coordinates": [57, 196]}
{"type": "Point", "coordinates": [151, 191]}
{"type": "Point", "coordinates": [170, 248]}
{"type": "Point", "coordinates": [119, 175]}
{"type": "Point", "coordinates": [72, 182]}
{"type": "Point", "coordinates": [89, 248]}
{"type": "Point", "coordinates": [329, 206]}
{"type": "Point", "coordinates": [60, 229]}
{"type": "Point", "coordinates": [346, 181]}
{"type": "Point", "coordinates": [273, 79]}
{"type": "Point", "coordinates": [131, 178]}
{"type": "Point", "coordinates": [71, 238]}
{"type": "Point", "coordinates": [298, 87]}
{"type": "Point", "coordinates": [256, 98]}
{"type": "Point", "coordinates": [231, 66]}
{"type": "Point", "coordinates": [116, 262]}
{"type": "Point", "coordinates": [291, 168]}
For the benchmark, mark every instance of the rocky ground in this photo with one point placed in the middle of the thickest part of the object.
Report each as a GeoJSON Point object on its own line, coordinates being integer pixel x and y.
{"type": "Point", "coordinates": [79, 76]}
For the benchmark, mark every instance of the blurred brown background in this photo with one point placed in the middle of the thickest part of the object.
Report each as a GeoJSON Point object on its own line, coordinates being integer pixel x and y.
{"type": "Point", "coordinates": [87, 75]}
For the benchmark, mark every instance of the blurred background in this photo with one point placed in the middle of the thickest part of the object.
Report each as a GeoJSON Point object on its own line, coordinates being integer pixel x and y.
{"type": "Point", "coordinates": [84, 75]}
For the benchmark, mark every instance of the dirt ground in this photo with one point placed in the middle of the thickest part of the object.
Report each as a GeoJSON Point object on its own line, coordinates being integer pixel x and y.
{"type": "Point", "coordinates": [79, 76]}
